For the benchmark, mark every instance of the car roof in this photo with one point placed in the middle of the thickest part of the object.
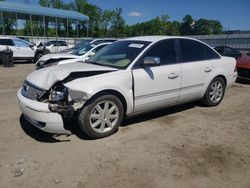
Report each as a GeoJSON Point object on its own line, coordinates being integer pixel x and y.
{"type": "Point", "coordinates": [56, 41]}
{"type": "Point", "coordinates": [156, 38]}
{"type": "Point", "coordinates": [5, 37]}
{"type": "Point", "coordinates": [104, 43]}
{"type": "Point", "coordinates": [101, 39]}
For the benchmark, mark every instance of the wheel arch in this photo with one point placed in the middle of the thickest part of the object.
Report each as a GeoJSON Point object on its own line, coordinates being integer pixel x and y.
{"type": "Point", "coordinates": [223, 77]}
{"type": "Point", "coordinates": [111, 92]}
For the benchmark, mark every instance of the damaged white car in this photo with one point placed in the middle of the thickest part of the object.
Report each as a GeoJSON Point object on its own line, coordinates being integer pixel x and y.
{"type": "Point", "coordinates": [81, 54]}
{"type": "Point", "coordinates": [128, 77]}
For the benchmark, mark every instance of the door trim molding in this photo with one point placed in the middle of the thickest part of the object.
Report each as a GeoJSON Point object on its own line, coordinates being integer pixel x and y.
{"type": "Point", "coordinates": [168, 91]}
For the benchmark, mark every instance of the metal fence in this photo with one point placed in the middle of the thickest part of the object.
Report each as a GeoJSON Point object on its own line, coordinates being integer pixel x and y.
{"type": "Point", "coordinates": [239, 41]}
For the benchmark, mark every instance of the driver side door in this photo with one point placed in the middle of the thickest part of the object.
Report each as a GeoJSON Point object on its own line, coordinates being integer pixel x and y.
{"type": "Point", "coordinates": [159, 85]}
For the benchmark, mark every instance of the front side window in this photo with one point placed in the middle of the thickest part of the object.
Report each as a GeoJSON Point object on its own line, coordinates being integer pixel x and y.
{"type": "Point", "coordinates": [98, 48]}
{"type": "Point", "coordinates": [192, 50]}
{"type": "Point", "coordinates": [83, 50]}
{"type": "Point", "coordinates": [6, 42]}
{"type": "Point", "coordinates": [119, 54]}
{"type": "Point", "coordinates": [164, 50]}
{"type": "Point", "coordinates": [21, 43]}
{"type": "Point", "coordinates": [82, 44]}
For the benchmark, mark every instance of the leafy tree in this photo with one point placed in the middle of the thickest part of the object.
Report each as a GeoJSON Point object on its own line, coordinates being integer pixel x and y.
{"type": "Point", "coordinates": [44, 3]}
{"type": "Point", "coordinates": [106, 22]}
{"type": "Point", "coordinates": [174, 28]}
{"type": "Point", "coordinates": [215, 27]}
{"type": "Point", "coordinates": [117, 23]}
{"type": "Point", "coordinates": [186, 25]}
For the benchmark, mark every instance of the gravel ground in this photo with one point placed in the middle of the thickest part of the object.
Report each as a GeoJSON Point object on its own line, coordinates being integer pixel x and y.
{"type": "Point", "coordinates": [184, 146]}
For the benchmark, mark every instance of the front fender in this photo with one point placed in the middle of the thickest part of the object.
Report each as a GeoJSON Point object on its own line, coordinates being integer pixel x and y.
{"type": "Point", "coordinates": [120, 81]}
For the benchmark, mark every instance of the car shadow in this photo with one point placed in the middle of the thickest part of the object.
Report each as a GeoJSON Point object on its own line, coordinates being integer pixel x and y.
{"type": "Point", "coordinates": [41, 136]}
{"type": "Point", "coordinates": [157, 114]}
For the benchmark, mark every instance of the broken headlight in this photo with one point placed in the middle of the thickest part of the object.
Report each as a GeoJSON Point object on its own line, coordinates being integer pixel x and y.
{"type": "Point", "coordinates": [58, 95]}
{"type": "Point", "coordinates": [59, 101]}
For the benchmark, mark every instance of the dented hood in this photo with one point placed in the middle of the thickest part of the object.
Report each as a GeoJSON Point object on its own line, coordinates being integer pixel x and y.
{"type": "Point", "coordinates": [57, 56]}
{"type": "Point", "coordinates": [45, 78]}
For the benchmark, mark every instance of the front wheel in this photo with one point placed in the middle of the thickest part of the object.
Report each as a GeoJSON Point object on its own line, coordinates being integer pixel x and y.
{"type": "Point", "coordinates": [101, 117]}
{"type": "Point", "coordinates": [215, 92]}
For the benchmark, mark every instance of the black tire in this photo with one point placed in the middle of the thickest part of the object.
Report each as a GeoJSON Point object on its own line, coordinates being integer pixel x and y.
{"type": "Point", "coordinates": [206, 100]}
{"type": "Point", "coordinates": [84, 120]}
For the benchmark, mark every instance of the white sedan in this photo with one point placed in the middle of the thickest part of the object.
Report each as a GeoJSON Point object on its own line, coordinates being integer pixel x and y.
{"type": "Point", "coordinates": [79, 55]}
{"type": "Point", "coordinates": [128, 77]}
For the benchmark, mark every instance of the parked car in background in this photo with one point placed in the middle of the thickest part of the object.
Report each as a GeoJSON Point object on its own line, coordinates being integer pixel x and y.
{"type": "Point", "coordinates": [40, 50]}
{"type": "Point", "coordinates": [80, 55]}
{"type": "Point", "coordinates": [87, 42]}
{"type": "Point", "coordinates": [128, 77]}
{"type": "Point", "coordinates": [22, 50]}
{"type": "Point", "coordinates": [243, 68]}
{"type": "Point", "coordinates": [56, 46]}
{"type": "Point", "coordinates": [228, 51]}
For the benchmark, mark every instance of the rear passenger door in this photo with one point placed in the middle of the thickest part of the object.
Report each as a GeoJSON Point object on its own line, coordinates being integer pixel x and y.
{"type": "Point", "coordinates": [157, 86]}
{"type": "Point", "coordinates": [196, 66]}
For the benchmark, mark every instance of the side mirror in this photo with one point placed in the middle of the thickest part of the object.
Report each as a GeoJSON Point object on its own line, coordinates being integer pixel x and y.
{"type": "Point", "coordinates": [150, 60]}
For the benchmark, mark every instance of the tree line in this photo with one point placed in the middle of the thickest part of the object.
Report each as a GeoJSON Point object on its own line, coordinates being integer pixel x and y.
{"type": "Point", "coordinates": [110, 23]}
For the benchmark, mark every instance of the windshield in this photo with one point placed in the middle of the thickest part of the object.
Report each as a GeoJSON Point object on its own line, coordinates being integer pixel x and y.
{"type": "Point", "coordinates": [83, 50]}
{"type": "Point", "coordinates": [82, 44]}
{"type": "Point", "coordinates": [119, 54]}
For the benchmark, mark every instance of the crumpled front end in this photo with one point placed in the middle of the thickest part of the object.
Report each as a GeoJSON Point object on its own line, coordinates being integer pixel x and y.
{"type": "Point", "coordinates": [47, 109]}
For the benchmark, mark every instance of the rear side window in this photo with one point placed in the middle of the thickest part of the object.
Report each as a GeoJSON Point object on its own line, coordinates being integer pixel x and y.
{"type": "Point", "coordinates": [195, 51]}
{"type": "Point", "coordinates": [165, 50]}
{"type": "Point", "coordinates": [228, 50]}
{"type": "Point", "coordinates": [6, 42]}
{"type": "Point", "coordinates": [62, 43]}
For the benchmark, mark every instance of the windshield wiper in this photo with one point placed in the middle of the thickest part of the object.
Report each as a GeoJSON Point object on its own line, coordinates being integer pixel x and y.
{"type": "Point", "coordinates": [94, 63]}
{"type": "Point", "coordinates": [100, 64]}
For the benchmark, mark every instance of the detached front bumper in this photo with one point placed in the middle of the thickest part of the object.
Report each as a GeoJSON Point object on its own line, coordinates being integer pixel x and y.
{"type": "Point", "coordinates": [39, 115]}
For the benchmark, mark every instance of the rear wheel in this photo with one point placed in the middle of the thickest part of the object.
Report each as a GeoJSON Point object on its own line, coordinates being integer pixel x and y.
{"type": "Point", "coordinates": [102, 117]}
{"type": "Point", "coordinates": [215, 92]}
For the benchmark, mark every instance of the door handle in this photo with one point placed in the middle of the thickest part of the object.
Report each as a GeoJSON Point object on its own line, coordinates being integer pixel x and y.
{"type": "Point", "coordinates": [173, 75]}
{"type": "Point", "coordinates": [208, 69]}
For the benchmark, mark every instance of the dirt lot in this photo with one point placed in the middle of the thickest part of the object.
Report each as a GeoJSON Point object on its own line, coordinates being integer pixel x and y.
{"type": "Point", "coordinates": [185, 146]}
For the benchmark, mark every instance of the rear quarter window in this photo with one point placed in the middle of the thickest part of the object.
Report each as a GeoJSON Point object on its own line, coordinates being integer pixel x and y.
{"type": "Point", "coordinates": [6, 42]}
{"type": "Point", "coordinates": [192, 50]}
